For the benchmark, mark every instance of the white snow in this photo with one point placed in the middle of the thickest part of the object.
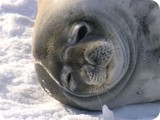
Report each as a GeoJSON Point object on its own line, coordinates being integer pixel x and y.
{"type": "Point", "coordinates": [21, 96]}
{"type": "Point", "coordinates": [158, 117]}
{"type": "Point", "coordinates": [107, 114]}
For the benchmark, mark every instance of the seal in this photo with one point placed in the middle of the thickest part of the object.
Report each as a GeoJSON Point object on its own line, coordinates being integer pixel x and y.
{"type": "Point", "coordinates": [87, 51]}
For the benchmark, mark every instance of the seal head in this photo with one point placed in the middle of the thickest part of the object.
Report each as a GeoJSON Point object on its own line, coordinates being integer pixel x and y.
{"type": "Point", "coordinates": [82, 51]}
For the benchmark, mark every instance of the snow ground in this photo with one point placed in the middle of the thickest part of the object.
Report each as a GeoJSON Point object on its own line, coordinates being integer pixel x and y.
{"type": "Point", "coordinates": [21, 96]}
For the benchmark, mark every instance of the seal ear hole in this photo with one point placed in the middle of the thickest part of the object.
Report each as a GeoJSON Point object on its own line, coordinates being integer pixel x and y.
{"type": "Point", "coordinates": [82, 33]}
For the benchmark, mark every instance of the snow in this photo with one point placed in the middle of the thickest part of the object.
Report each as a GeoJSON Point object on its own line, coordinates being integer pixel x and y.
{"type": "Point", "coordinates": [21, 96]}
{"type": "Point", "coordinates": [107, 114]}
{"type": "Point", "coordinates": [158, 117]}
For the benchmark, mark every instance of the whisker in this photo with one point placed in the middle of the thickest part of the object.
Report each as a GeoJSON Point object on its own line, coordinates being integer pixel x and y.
{"type": "Point", "coordinates": [99, 100]}
{"type": "Point", "coordinates": [121, 28]}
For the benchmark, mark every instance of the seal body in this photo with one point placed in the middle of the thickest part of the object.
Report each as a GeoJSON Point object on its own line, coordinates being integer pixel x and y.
{"type": "Point", "coordinates": [86, 50]}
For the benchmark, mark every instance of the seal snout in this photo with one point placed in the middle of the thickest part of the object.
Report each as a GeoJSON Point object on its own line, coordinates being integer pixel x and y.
{"type": "Point", "coordinates": [86, 58]}
{"type": "Point", "coordinates": [94, 72]}
{"type": "Point", "coordinates": [98, 56]}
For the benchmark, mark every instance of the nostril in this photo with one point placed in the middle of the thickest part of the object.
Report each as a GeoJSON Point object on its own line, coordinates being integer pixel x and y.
{"type": "Point", "coordinates": [70, 83]}
{"type": "Point", "coordinates": [79, 31]}
{"type": "Point", "coordinates": [69, 78]}
{"type": "Point", "coordinates": [82, 33]}
{"type": "Point", "coordinates": [66, 75]}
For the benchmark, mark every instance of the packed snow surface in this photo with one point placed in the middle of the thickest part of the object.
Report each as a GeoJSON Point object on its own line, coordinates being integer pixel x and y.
{"type": "Point", "coordinates": [21, 96]}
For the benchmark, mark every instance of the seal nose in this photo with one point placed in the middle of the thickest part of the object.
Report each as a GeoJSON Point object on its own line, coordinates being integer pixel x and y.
{"type": "Point", "coordinates": [80, 31]}
{"type": "Point", "coordinates": [67, 78]}
{"type": "Point", "coordinates": [100, 53]}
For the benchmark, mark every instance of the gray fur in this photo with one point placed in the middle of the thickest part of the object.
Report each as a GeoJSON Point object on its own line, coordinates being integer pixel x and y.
{"type": "Point", "coordinates": [109, 48]}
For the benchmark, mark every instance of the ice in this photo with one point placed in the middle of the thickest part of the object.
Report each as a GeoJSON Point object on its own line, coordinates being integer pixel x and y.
{"type": "Point", "coordinates": [158, 117]}
{"type": "Point", "coordinates": [107, 114]}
